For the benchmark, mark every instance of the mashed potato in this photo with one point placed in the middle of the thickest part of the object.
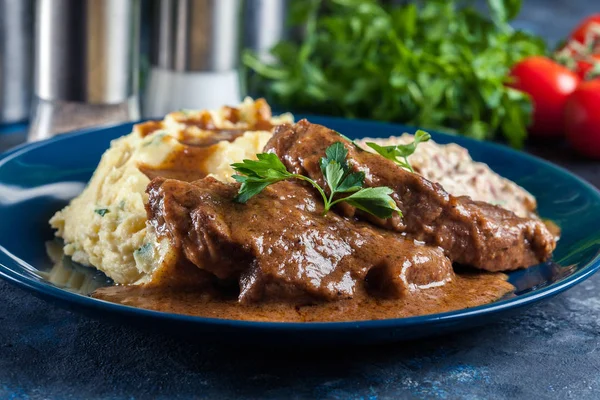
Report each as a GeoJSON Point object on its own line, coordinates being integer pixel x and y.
{"type": "Point", "coordinates": [105, 226]}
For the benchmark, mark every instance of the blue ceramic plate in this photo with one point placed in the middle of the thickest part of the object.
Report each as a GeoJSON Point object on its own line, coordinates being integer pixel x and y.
{"type": "Point", "coordinates": [38, 179]}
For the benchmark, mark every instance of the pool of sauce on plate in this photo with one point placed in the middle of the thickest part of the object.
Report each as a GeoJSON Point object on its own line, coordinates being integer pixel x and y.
{"type": "Point", "coordinates": [467, 290]}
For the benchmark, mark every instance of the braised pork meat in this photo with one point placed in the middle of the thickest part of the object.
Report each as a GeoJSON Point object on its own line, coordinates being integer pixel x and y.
{"type": "Point", "coordinates": [473, 233]}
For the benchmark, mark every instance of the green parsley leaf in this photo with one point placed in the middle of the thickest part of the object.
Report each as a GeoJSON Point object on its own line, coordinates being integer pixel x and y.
{"type": "Point", "coordinates": [250, 189]}
{"type": "Point", "coordinates": [144, 249]}
{"type": "Point", "coordinates": [334, 173]}
{"type": "Point", "coordinates": [345, 137]}
{"type": "Point", "coordinates": [399, 153]}
{"type": "Point", "coordinates": [350, 140]}
{"type": "Point", "coordinates": [337, 152]}
{"type": "Point", "coordinates": [388, 152]}
{"type": "Point", "coordinates": [256, 175]}
{"type": "Point", "coordinates": [352, 182]}
{"type": "Point", "coordinates": [405, 150]}
{"type": "Point", "coordinates": [102, 211]}
{"type": "Point", "coordinates": [503, 11]}
{"type": "Point", "coordinates": [374, 200]}
{"type": "Point", "coordinates": [267, 165]}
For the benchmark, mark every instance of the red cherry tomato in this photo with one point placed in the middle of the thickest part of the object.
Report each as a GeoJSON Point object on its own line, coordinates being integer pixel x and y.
{"type": "Point", "coordinates": [585, 65]}
{"type": "Point", "coordinates": [582, 119]}
{"type": "Point", "coordinates": [549, 84]}
{"type": "Point", "coordinates": [591, 23]}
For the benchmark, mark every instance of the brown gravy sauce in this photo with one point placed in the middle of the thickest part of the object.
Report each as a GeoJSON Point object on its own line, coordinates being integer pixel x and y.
{"type": "Point", "coordinates": [188, 164]}
{"type": "Point", "coordinates": [467, 290]}
{"type": "Point", "coordinates": [553, 228]}
{"type": "Point", "coordinates": [203, 122]}
{"type": "Point", "coordinates": [185, 165]}
{"type": "Point", "coordinates": [216, 136]}
{"type": "Point", "coordinates": [146, 128]}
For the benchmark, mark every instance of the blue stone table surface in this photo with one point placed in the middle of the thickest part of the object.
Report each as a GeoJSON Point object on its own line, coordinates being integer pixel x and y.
{"type": "Point", "coordinates": [549, 351]}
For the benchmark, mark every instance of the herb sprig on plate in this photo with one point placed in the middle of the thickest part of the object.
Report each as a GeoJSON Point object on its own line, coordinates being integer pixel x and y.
{"type": "Point", "coordinates": [256, 175]}
{"type": "Point", "coordinates": [399, 153]}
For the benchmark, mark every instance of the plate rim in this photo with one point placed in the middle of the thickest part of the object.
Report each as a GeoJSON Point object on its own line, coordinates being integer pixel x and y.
{"type": "Point", "coordinates": [46, 289]}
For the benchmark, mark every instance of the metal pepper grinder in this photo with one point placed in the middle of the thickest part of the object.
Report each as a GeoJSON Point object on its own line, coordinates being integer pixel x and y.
{"type": "Point", "coordinates": [194, 55]}
{"type": "Point", "coordinates": [16, 51]}
{"type": "Point", "coordinates": [86, 64]}
{"type": "Point", "coordinates": [265, 25]}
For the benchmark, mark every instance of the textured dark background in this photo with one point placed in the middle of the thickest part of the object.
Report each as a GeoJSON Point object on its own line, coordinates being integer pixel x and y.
{"type": "Point", "coordinates": [549, 351]}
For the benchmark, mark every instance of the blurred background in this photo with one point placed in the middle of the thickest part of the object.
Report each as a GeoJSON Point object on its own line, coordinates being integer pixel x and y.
{"type": "Point", "coordinates": [503, 70]}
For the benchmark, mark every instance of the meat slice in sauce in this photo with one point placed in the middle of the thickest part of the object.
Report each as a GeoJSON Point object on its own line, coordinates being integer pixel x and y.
{"type": "Point", "coordinates": [471, 233]}
{"type": "Point", "coordinates": [279, 246]}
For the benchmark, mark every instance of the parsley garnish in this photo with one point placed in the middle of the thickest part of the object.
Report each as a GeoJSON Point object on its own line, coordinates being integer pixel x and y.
{"type": "Point", "coordinates": [350, 140]}
{"type": "Point", "coordinates": [102, 211]}
{"type": "Point", "coordinates": [255, 175]}
{"type": "Point", "coordinates": [400, 152]}
{"type": "Point", "coordinates": [144, 249]}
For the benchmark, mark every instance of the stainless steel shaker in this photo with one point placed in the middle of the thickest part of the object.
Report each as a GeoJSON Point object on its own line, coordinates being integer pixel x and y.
{"type": "Point", "coordinates": [265, 25]}
{"type": "Point", "coordinates": [195, 55]}
{"type": "Point", "coordinates": [16, 54]}
{"type": "Point", "coordinates": [86, 64]}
